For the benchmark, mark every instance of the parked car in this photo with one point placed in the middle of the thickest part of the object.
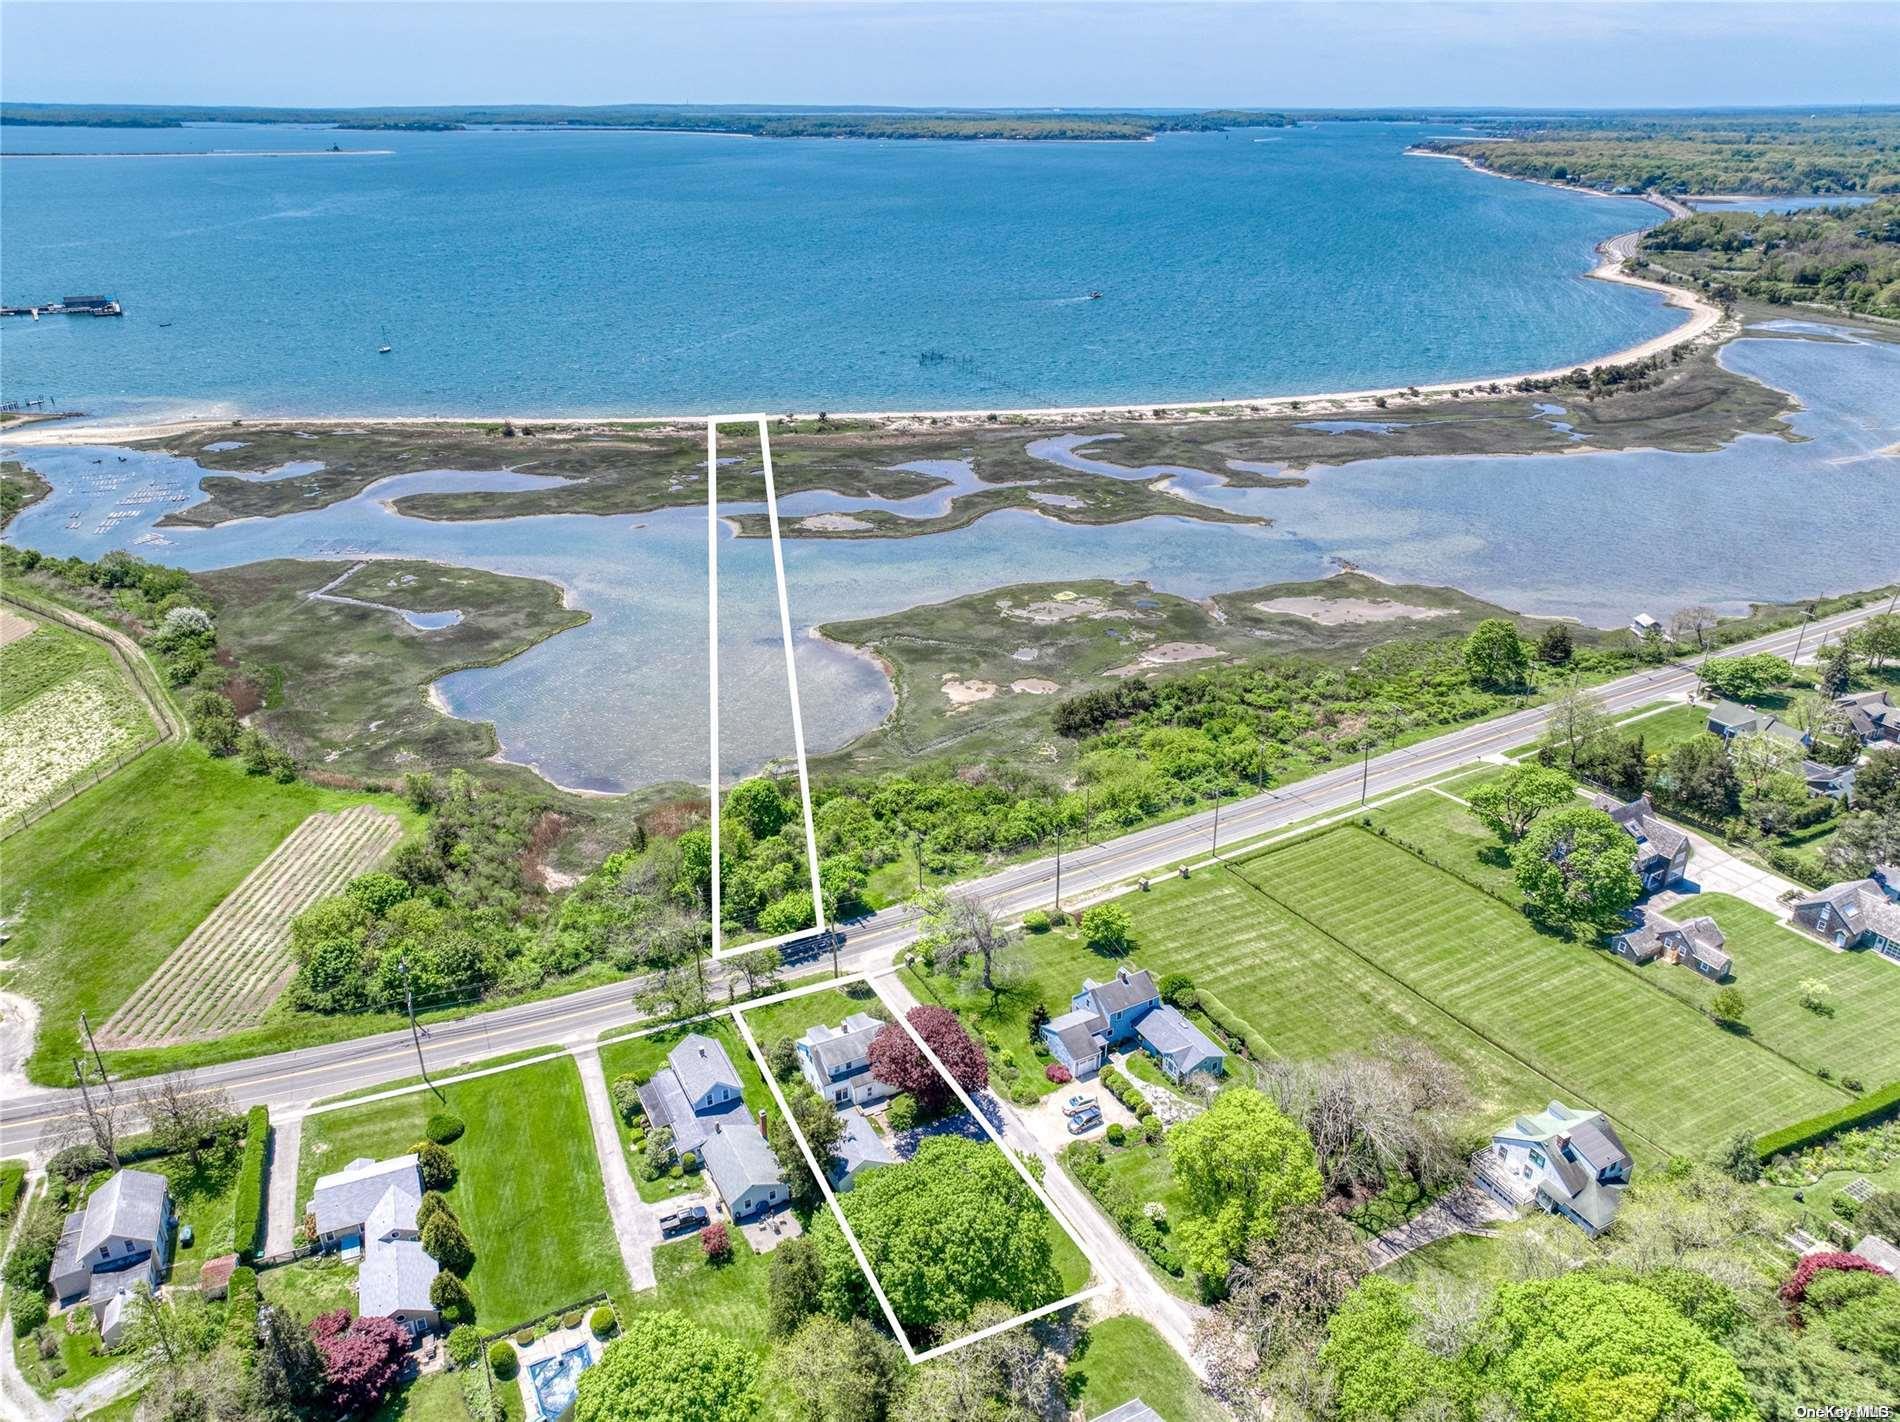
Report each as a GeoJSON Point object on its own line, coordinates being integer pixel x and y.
{"type": "Point", "coordinates": [1079, 1103]}
{"type": "Point", "coordinates": [1084, 1122]}
{"type": "Point", "coordinates": [684, 1218]}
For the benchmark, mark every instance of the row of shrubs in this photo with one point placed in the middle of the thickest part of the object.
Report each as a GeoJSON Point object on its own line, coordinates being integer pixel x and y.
{"type": "Point", "coordinates": [1869, 1110]}
{"type": "Point", "coordinates": [247, 1204]}
{"type": "Point", "coordinates": [504, 1361]}
{"type": "Point", "coordinates": [1089, 1165]}
{"type": "Point", "coordinates": [1123, 1090]}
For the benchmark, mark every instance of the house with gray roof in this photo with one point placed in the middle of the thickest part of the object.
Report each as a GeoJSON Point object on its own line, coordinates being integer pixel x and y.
{"type": "Point", "coordinates": [114, 1244]}
{"type": "Point", "coordinates": [694, 1093]}
{"type": "Point", "coordinates": [1871, 717]}
{"type": "Point", "coordinates": [1662, 850]}
{"type": "Point", "coordinates": [1834, 781]}
{"type": "Point", "coordinates": [1569, 1162]}
{"type": "Point", "coordinates": [744, 1168]}
{"type": "Point", "coordinates": [859, 1148]}
{"type": "Point", "coordinates": [1127, 1011]}
{"type": "Point", "coordinates": [1729, 719]}
{"type": "Point", "coordinates": [837, 1062]}
{"type": "Point", "coordinates": [368, 1210]}
{"type": "Point", "coordinates": [1696, 943]}
{"type": "Point", "coordinates": [1854, 914]}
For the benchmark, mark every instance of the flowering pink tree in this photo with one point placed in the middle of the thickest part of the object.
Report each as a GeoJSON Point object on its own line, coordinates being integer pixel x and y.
{"type": "Point", "coordinates": [361, 1360]}
{"type": "Point", "coordinates": [1058, 1073]}
{"type": "Point", "coordinates": [1796, 1289]}
{"type": "Point", "coordinates": [896, 1061]}
{"type": "Point", "coordinates": [716, 1243]}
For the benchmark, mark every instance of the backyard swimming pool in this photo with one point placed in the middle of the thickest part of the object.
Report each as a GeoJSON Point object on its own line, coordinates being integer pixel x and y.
{"type": "Point", "coordinates": [556, 1379]}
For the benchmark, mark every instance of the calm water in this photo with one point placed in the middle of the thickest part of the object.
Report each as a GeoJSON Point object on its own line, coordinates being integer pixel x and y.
{"type": "Point", "coordinates": [617, 703]}
{"type": "Point", "coordinates": [535, 273]}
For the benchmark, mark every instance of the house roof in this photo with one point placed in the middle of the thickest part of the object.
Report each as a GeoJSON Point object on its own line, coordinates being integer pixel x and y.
{"type": "Point", "coordinates": [1596, 1140]}
{"type": "Point", "coordinates": [738, 1158]}
{"type": "Point", "coordinates": [66, 1254]}
{"type": "Point", "coordinates": [1638, 817]}
{"type": "Point", "coordinates": [118, 1276]}
{"type": "Point", "coordinates": [1176, 1038]}
{"type": "Point", "coordinates": [701, 1064]}
{"type": "Point", "coordinates": [666, 1105]}
{"type": "Point", "coordinates": [1574, 1179]}
{"type": "Point", "coordinates": [1081, 1032]}
{"type": "Point", "coordinates": [131, 1205]}
{"type": "Point", "coordinates": [1876, 1250]}
{"type": "Point", "coordinates": [1133, 1410]}
{"type": "Point", "coordinates": [859, 1145]}
{"type": "Point", "coordinates": [1128, 988]}
{"type": "Point", "coordinates": [395, 1278]}
{"type": "Point", "coordinates": [348, 1198]}
{"type": "Point", "coordinates": [1862, 905]}
{"type": "Point", "coordinates": [1746, 720]}
{"type": "Point", "coordinates": [833, 1049]}
{"type": "Point", "coordinates": [216, 1273]}
{"type": "Point", "coordinates": [1643, 933]}
{"type": "Point", "coordinates": [1703, 939]}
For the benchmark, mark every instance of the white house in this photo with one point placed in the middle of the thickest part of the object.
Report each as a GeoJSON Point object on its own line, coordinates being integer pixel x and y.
{"type": "Point", "coordinates": [368, 1208]}
{"type": "Point", "coordinates": [114, 1244]}
{"type": "Point", "coordinates": [837, 1062]}
{"type": "Point", "coordinates": [744, 1168]}
{"type": "Point", "coordinates": [1571, 1163]}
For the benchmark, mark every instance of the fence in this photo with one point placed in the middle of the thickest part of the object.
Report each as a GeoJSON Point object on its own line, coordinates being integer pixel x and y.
{"type": "Point", "coordinates": [133, 666]}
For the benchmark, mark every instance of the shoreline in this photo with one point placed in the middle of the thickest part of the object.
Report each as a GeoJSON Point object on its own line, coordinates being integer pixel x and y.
{"type": "Point", "coordinates": [1704, 325]}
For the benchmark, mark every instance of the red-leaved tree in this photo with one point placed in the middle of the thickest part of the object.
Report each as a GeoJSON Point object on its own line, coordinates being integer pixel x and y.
{"type": "Point", "coordinates": [1796, 1289]}
{"type": "Point", "coordinates": [361, 1360]}
{"type": "Point", "coordinates": [716, 1243]}
{"type": "Point", "coordinates": [896, 1061]}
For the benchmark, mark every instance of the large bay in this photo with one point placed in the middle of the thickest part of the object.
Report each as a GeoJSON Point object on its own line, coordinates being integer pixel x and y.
{"type": "Point", "coordinates": [532, 273]}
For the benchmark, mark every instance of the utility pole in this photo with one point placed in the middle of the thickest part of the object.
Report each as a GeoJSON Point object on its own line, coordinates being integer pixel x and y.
{"type": "Point", "coordinates": [111, 1139]}
{"type": "Point", "coordinates": [917, 843]}
{"type": "Point", "coordinates": [1365, 772]}
{"type": "Point", "coordinates": [86, 1024]}
{"type": "Point", "coordinates": [415, 1032]}
{"type": "Point", "coordinates": [1805, 620]}
{"type": "Point", "coordinates": [1058, 868]}
{"type": "Point", "coordinates": [1216, 849]}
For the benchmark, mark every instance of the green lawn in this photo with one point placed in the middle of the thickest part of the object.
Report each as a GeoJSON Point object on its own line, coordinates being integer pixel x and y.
{"type": "Point", "coordinates": [796, 1016]}
{"type": "Point", "coordinates": [1771, 961]}
{"type": "Point", "coordinates": [1451, 834]}
{"type": "Point", "coordinates": [434, 1397]}
{"type": "Point", "coordinates": [202, 1196]}
{"type": "Point", "coordinates": [1668, 729]}
{"type": "Point", "coordinates": [105, 887]}
{"type": "Point", "coordinates": [642, 1056]}
{"type": "Point", "coordinates": [529, 1195]}
{"type": "Point", "coordinates": [77, 1362]}
{"type": "Point", "coordinates": [1586, 1022]}
{"type": "Point", "coordinates": [124, 1410]}
{"type": "Point", "coordinates": [1125, 1358]}
{"type": "Point", "coordinates": [728, 1298]}
{"type": "Point", "coordinates": [311, 1286]}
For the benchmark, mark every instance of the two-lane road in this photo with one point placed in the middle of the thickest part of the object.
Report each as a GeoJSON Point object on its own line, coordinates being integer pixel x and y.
{"type": "Point", "coordinates": [294, 1079]}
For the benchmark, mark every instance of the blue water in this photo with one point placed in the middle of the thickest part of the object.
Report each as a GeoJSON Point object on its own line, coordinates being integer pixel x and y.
{"type": "Point", "coordinates": [556, 1380]}
{"type": "Point", "coordinates": [616, 703]}
{"type": "Point", "coordinates": [535, 273]}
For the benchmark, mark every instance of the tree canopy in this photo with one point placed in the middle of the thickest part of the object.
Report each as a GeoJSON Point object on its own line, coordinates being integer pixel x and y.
{"type": "Point", "coordinates": [1241, 1163]}
{"type": "Point", "coordinates": [1509, 802]}
{"type": "Point", "coordinates": [1495, 656]}
{"type": "Point", "coordinates": [666, 1368]}
{"type": "Point", "coordinates": [1574, 867]}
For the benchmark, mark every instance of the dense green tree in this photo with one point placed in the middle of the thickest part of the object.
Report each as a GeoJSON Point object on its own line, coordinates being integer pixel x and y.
{"type": "Point", "coordinates": [841, 1372]}
{"type": "Point", "coordinates": [1877, 782]}
{"type": "Point", "coordinates": [1574, 868]}
{"type": "Point", "coordinates": [796, 1289]}
{"type": "Point", "coordinates": [1378, 1368]}
{"type": "Point", "coordinates": [1728, 1006]}
{"type": "Point", "coordinates": [954, 1227]}
{"type": "Point", "coordinates": [442, 1237]}
{"type": "Point", "coordinates": [1878, 640]}
{"type": "Point", "coordinates": [213, 721]}
{"type": "Point", "coordinates": [1495, 657]}
{"type": "Point", "coordinates": [451, 1298]}
{"type": "Point", "coordinates": [758, 805]}
{"type": "Point", "coordinates": [821, 1126]}
{"type": "Point", "coordinates": [1746, 679]}
{"type": "Point", "coordinates": [1510, 801]}
{"type": "Point", "coordinates": [1105, 928]}
{"type": "Point", "coordinates": [1698, 775]}
{"type": "Point", "coordinates": [1240, 1165]}
{"type": "Point", "coordinates": [665, 1368]}
{"type": "Point", "coordinates": [1556, 647]}
{"type": "Point", "coordinates": [1574, 723]}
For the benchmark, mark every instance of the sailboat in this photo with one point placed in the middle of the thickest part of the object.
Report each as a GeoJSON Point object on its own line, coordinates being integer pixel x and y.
{"type": "Point", "coordinates": [383, 349]}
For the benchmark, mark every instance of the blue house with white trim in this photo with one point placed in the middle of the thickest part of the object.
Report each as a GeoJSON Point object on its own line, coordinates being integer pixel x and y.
{"type": "Point", "coordinates": [1127, 1011]}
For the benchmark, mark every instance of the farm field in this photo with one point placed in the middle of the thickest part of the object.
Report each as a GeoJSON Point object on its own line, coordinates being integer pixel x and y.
{"type": "Point", "coordinates": [102, 890]}
{"type": "Point", "coordinates": [235, 964]}
{"type": "Point", "coordinates": [529, 1192]}
{"type": "Point", "coordinates": [641, 1057]}
{"type": "Point", "coordinates": [64, 707]}
{"type": "Point", "coordinates": [1606, 1037]}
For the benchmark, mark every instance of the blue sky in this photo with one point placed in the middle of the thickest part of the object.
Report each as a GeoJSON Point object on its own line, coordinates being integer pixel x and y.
{"type": "Point", "coordinates": [983, 53]}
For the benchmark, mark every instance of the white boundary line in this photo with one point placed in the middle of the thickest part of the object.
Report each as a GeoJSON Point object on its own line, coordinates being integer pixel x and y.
{"type": "Point", "coordinates": [719, 950]}
{"type": "Point", "coordinates": [831, 1198]}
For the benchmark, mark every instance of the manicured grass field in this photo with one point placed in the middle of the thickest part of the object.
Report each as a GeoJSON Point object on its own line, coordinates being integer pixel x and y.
{"type": "Point", "coordinates": [1126, 1358]}
{"type": "Point", "coordinates": [1606, 1037]}
{"type": "Point", "coordinates": [641, 1057]}
{"type": "Point", "coordinates": [1450, 833]}
{"type": "Point", "coordinates": [105, 887]}
{"type": "Point", "coordinates": [1858, 1035]}
{"type": "Point", "coordinates": [796, 1016]}
{"type": "Point", "coordinates": [529, 1194]}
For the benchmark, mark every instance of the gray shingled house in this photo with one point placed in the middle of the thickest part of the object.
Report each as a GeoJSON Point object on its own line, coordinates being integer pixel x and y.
{"type": "Point", "coordinates": [1571, 1163]}
{"type": "Point", "coordinates": [1854, 914]}
{"type": "Point", "coordinates": [744, 1168]}
{"type": "Point", "coordinates": [1662, 850]}
{"type": "Point", "coordinates": [694, 1092]}
{"type": "Point", "coordinates": [1126, 1011]}
{"type": "Point", "coordinates": [859, 1148]}
{"type": "Point", "coordinates": [837, 1062]}
{"type": "Point", "coordinates": [369, 1208]}
{"type": "Point", "coordinates": [1872, 717]}
{"type": "Point", "coordinates": [114, 1244]}
{"type": "Point", "coordinates": [1729, 719]}
{"type": "Point", "coordinates": [1695, 943]}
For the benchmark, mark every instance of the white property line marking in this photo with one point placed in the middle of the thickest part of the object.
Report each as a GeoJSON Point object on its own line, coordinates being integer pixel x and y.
{"type": "Point", "coordinates": [851, 1238]}
{"type": "Point", "coordinates": [719, 950]}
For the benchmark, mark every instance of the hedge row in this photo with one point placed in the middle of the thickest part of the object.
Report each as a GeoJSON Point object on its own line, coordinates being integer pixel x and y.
{"type": "Point", "coordinates": [240, 1319]}
{"type": "Point", "coordinates": [1228, 1024]}
{"type": "Point", "coordinates": [247, 1205]}
{"type": "Point", "coordinates": [1869, 1110]}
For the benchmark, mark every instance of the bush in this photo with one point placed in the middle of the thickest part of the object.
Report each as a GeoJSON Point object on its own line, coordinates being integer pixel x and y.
{"type": "Point", "coordinates": [716, 1243]}
{"type": "Point", "coordinates": [1869, 1110]}
{"type": "Point", "coordinates": [451, 1298]}
{"type": "Point", "coordinates": [1024, 1094]}
{"type": "Point", "coordinates": [1796, 1289]}
{"type": "Point", "coordinates": [432, 1203]}
{"type": "Point", "coordinates": [28, 1307]}
{"type": "Point", "coordinates": [902, 1115]}
{"type": "Point", "coordinates": [782, 1057]}
{"type": "Point", "coordinates": [444, 1128]}
{"type": "Point", "coordinates": [503, 1361]}
{"type": "Point", "coordinates": [525, 1336]}
{"type": "Point", "coordinates": [1116, 1133]}
{"type": "Point", "coordinates": [1152, 1130]}
{"type": "Point", "coordinates": [247, 1201]}
{"type": "Point", "coordinates": [601, 1322]}
{"type": "Point", "coordinates": [240, 1317]}
{"type": "Point", "coordinates": [436, 1163]}
{"type": "Point", "coordinates": [1175, 987]}
{"type": "Point", "coordinates": [445, 1243]}
{"type": "Point", "coordinates": [1058, 1073]}
{"type": "Point", "coordinates": [464, 1344]}
{"type": "Point", "coordinates": [1036, 921]}
{"type": "Point", "coordinates": [626, 1095]}
{"type": "Point", "coordinates": [571, 1319]}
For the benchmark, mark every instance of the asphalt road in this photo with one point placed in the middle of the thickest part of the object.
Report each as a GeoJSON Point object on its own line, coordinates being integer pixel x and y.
{"type": "Point", "coordinates": [291, 1080]}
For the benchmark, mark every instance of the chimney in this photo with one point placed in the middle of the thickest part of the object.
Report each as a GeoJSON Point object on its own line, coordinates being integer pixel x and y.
{"type": "Point", "coordinates": [761, 1121]}
{"type": "Point", "coordinates": [1121, 975]}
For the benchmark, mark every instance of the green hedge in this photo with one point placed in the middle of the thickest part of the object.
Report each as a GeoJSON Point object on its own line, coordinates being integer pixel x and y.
{"type": "Point", "coordinates": [1224, 1019]}
{"type": "Point", "coordinates": [240, 1319]}
{"type": "Point", "coordinates": [247, 1204]}
{"type": "Point", "coordinates": [1869, 1110]}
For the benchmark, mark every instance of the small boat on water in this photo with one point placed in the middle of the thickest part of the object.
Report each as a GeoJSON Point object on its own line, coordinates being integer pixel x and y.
{"type": "Point", "coordinates": [383, 349]}
{"type": "Point", "coordinates": [1095, 296]}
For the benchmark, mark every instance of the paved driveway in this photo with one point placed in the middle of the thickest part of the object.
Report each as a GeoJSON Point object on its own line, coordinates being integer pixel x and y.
{"type": "Point", "coordinates": [636, 1225]}
{"type": "Point", "coordinates": [1713, 870]}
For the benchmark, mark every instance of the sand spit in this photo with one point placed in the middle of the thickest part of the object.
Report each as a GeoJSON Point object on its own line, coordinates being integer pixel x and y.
{"type": "Point", "coordinates": [1348, 611]}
